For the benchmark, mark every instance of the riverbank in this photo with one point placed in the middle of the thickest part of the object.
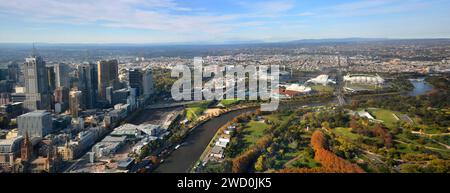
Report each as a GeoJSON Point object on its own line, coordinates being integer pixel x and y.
{"type": "Point", "coordinates": [196, 140]}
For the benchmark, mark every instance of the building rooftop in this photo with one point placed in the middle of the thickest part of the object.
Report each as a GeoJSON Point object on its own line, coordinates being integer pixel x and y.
{"type": "Point", "coordinates": [9, 141]}
{"type": "Point", "coordinates": [124, 132]}
{"type": "Point", "coordinates": [38, 113]}
{"type": "Point", "coordinates": [217, 150]}
{"type": "Point", "coordinates": [298, 88]}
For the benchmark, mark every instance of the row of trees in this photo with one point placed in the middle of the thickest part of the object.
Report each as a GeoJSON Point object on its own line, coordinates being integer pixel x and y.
{"type": "Point", "coordinates": [329, 160]}
{"type": "Point", "coordinates": [331, 163]}
{"type": "Point", "coordinates": [243, 162]}
{"type": "Point", "coordinates": [364, 127]}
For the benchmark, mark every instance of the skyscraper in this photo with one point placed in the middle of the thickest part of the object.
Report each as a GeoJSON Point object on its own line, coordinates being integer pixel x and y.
{"type": "Point", "coordinates": [13, 72]}
{"type": "Point", "coordinates": [36, 84]}
{"type": "Point", "coordinates": [135, 80]}
{"type": "Point", "coordinates": [61, 98]}
{"type": "Point", "coordinates": [87, 84]}
{"type": "Point", "coordinates": [75, 103]}
{"type": "Point", "coordinates": [51, 78]}
{"type": "Point", "coordinates": [61, 95]}
{"type": "Point", "coordinates": [147, 83]}
{"type": "Point", "coordinates": [109, 95]}
{"type": "Point", "coordinates": [62, 75]}
{"type": "Point", "coordinates": [108, 72]}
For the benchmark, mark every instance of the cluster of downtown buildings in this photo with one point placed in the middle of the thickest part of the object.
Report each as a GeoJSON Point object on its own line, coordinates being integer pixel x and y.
{"type": "Point", "coordinates": [58, 113]}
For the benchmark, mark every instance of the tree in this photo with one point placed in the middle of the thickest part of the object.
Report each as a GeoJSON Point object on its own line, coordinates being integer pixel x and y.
{"type": "Point", "coordinates": [4, 122]}
{"type": "Point", "coordinates": [259, 165]}
{"type": "Point", "coordinates": [330, 161]}
{"type": "Point", "coordinates": [355, 104]}
{"type": "Point", "coordinates": [385, 136]}
{"type": "Point", "coordinates": [354, 123]}
{"type": "Point", "coordinates": [145, 150]}
{"type": "Point", "coordinates": [241, 163]}
{"type": "Point", "coordinates": [326, 125]}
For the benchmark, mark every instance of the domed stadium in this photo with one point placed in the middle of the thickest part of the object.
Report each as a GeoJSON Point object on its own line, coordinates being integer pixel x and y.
{"type": "Point", "coordinates": [364, 79]}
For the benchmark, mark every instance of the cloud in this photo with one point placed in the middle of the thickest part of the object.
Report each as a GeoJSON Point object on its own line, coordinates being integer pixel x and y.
{"type": "Point", "coordinates": [159, 15]}
{"type": "Point", "coordinates": [267, 8]}
{"type": "Point", "coordinates": [274, 6]}
{"type": "Point", "coordinates": [369, 7]}
{"type": "Point", "coordinates": [140, 14]}
{"type": "Point", "coordinates": [306, 14]}
{"type": "Point", "coordinates": [174, 20]}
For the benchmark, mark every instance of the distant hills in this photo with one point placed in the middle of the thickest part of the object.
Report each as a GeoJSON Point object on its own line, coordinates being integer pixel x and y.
{"type": "Point", "coordinates": [244, 42]}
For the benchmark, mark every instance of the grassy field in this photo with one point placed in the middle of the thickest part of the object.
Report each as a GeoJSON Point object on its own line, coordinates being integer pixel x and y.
{"type": "Point", "coordinates": [254, 131]}
{"type": "Point", "coordinates": [193, 111]}
{"type": "Point", "coordinates": [229, 102]}
{"type": "Point", "coordinates": [361, 86]}
{"type": "Point", "coordinates": [322, 88]}
{"type": "Point", "coordinates": [386, 116]}
{"type": "Point", "coordinates": [346, 132]}
{"type": "Point", "coordinates": [301, 159]}
{"type": "Point", "coordinates": [277, 118]}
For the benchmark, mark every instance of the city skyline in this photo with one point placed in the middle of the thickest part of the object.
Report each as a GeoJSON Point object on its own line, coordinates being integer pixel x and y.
{"type": "Point", "coordinates": [170, 21]}
{"type": "Point", "coordinates": [261, 87]}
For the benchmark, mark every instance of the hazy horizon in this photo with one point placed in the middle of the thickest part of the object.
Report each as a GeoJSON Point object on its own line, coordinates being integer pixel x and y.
{"type": "Point", "coordinates": [244, 42]}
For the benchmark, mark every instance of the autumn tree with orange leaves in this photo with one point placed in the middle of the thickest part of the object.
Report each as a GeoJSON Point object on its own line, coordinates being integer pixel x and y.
{"type": "Point", "coordinates": [242, 162]}
{"type": "Point", "coordinates": [331, 163]}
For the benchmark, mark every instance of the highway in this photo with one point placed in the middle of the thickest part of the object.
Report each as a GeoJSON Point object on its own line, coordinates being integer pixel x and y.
{"type": "Point", "coordinates": [340, 86]}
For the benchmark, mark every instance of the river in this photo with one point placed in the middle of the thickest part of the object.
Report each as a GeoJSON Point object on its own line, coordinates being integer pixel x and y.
{"type": "Point", "coordinates": [420, 87]}
{"type": "Point", "coordinates": [182, 159]}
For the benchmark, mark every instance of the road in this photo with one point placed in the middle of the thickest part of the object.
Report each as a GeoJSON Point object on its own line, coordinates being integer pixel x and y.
{"type": "Point", "coordinates": [339, 85]}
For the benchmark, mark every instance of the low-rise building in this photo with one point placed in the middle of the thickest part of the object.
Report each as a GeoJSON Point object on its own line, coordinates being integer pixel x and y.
{"type": "Point", "coordinates": [108, 146]}
{"type": "Point", "coordinates": [9, 150]}
{"type": "Point", "coordinates": [217, 152]}
{"type": "Point", "coordinates": [224, 138]}
{"type": "Point", "coordinates": [36, 123]}
{"type": "Point", "coordinates": [322, 79]}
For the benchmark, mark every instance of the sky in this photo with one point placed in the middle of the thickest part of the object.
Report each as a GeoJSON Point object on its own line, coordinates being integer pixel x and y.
{"type": "Point", "coordinates": [218, 21]}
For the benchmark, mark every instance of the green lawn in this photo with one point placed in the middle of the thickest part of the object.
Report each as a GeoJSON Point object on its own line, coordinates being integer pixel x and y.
{"type": "Point", "coordinates": [193, 111]}
{"type": "Point", "coordinates": [277, 117]}
{"type": "Point", "coordinates": [386, 116]}
{"type": "Point", "coordinates": [404, 148]}
{"type": "Point", "coordinates": [254, 131]}
{"type": "Point", "coordinates": [361, 86]}
{"type": "Point", "coordinates": [346, 132]}
{"type": "Point", "coordinates": [229, 102]}
{"type": "Point", "coordinates": [322, 88]}
{"type": "Point", "coordinates": [304, 161]}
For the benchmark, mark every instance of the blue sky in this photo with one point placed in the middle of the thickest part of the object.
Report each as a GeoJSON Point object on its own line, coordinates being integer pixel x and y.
{"type": "Point", "coordinates": [217, 21]}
